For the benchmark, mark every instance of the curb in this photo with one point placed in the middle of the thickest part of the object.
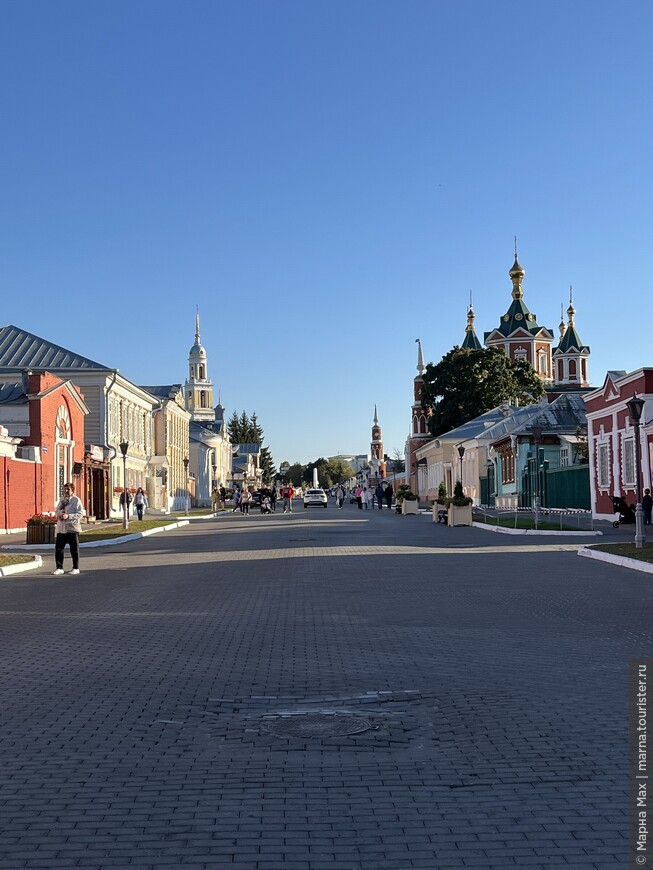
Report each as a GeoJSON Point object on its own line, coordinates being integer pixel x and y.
{"type": "Point", "coordinates": [623, 561]}
{"type": "Point", "coordinates": [107, 543]}
{"type": "Point", "coordinates": [502, 530]}
{"type": "Point", "coordinates": [8, 570]}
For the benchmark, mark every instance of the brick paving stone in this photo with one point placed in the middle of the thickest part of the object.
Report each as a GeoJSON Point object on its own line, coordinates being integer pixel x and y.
{"type": "Point", "coordinates": [141, 708]}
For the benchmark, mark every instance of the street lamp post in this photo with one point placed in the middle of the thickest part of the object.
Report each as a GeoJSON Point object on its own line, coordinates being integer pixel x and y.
{"type": "Point", "coordinates": [537, 436]}
{"type": "Point", "coordinates": [124, 447]}
{"type": "Point", "coordinates": [635, 407]}
{"type": "Point", "coordinates": [186, 462]}
{"type": "Point", "coordinates": [214, 489]}
{"type": "Point", "coordinates": [461, 453]}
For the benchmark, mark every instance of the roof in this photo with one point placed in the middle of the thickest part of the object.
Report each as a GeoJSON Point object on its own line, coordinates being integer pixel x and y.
{"type": "Point", "coordinates": [564, 414]}
{"type": "Point", "coordinates": [12, 394]}
{"type": "Point", "coordinates": [471, 342]}
{"type": "Point", "coordinates": [168, 391]}
{"type": "Point", "coordinates": [517, 317]}
{"type": "Point", "coordinates": [21, 349]}
{"type": "Point", "coordinates": [570, 340]}
{"type": "Point", "coordinates": [247, 448]}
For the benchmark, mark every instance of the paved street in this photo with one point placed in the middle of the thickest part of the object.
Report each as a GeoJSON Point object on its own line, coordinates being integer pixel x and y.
{"type": "Point", "coordinates": [331, 690]}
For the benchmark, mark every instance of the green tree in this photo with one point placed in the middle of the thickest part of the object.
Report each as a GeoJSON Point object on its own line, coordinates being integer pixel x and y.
{"type": "Point", "coordinates": [466, 383]}
{"type": "Point", "coordinates": [295, 473]}
{"type": "Point", "coordinates": [267, 466]}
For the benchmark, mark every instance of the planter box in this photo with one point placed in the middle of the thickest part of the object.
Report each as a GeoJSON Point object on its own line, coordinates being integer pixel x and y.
{"type": "Point", "coordinates": [41, 534]}
{"type": "Point", "coordinates": [459, 516]}
{"type": "Point", "coordinates": [409, 507]}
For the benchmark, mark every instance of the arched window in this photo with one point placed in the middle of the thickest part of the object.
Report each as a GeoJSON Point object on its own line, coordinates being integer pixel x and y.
{"type": "Point", "coordinates": [542, 366]}
{"type": "Point", "coordinates": [201, 372]}
{"type": "Point", "coordinates": [62, 451]}
{"type": "Point", "coordinates": [572, 370]}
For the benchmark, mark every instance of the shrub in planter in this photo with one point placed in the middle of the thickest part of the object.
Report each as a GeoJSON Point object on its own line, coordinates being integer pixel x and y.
{"type": "Point", "coordinates": [442, 493]}
{"type": "Point", "coordinates": [459, 498]}
{"type": "Point", "coordinates": [404, 492]}
{"type": "Point", "coordinates": [41, 529]}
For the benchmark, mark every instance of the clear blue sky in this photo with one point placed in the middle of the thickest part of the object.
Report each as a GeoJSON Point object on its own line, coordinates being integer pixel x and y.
{"type": "Point", "coordinates": [327, 181]}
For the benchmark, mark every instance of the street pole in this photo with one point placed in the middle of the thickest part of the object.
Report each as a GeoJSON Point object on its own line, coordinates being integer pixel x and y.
{"type": "Point", "coordinates": [635, 407]}
{"type": "Point", "coordinates": [124, 447]}
{"type": "Point", "coordinates": [214, 490]}
{"type": "Point", "coordinates": [537, 435]}
{"type": "Point", "coordinates": [186, 462]}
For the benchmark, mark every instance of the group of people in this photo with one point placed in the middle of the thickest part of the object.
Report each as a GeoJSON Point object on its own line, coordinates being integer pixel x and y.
{"type": "Point", "coordinates": [140, 501]}
{"type": "Point", "coordinates": [368, 498]}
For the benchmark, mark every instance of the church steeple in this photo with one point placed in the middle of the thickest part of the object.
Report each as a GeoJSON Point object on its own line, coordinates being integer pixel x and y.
{"type": "Point", "coordinates": [471, 342]}
{"type": "Point", "coordinates": [570, 356]}
{"type": "Point", "coordinates": [198, 390]}
{"type": "Point", "coordinates": [519, 333]}
{"type": "Point", "coordinates": [376, 447]}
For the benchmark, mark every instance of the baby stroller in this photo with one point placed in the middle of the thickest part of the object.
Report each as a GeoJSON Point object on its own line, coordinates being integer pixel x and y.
{"type": "Point", "coordinates": [266, 505]}
{"type": "Point", "coordinates": [626, 511]}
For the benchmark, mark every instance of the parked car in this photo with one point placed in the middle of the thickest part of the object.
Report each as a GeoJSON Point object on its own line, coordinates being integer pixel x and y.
{"type": "Point", "coordinates": [315, 498]}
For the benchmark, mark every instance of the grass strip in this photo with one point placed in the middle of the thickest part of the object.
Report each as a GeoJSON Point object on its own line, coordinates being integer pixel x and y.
{"type": "Point", "coordinates": [629, 551]}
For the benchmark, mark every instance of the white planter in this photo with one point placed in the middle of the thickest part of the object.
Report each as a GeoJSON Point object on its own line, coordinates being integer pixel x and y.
{"type": "Point", "coordinates": [409, 507]}
{"type": "Point", "coordinates": [459, 516]}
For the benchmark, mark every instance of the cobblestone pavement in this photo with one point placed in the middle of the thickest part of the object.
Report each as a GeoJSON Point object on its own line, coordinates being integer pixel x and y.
{"type": "Point", "coordinates": [322, 691]}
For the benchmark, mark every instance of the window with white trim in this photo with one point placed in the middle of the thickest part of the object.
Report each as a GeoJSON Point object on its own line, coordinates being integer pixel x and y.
{"type": "Point", "coordinates": [520, 353]}
{"type": "Point", "coordinates": [603, 465]}
{"type": "Point", "coordinates": [628, 463]}
{"type": "Point", "coordinates": [564, 457]}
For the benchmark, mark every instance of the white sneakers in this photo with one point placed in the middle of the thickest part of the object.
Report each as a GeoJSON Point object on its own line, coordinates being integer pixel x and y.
{"type": "Point", "coordinates": [75, 571]}
{"type": "Point", "coordinates": [58, 571]}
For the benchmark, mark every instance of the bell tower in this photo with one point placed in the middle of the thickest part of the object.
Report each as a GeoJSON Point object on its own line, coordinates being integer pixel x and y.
{"type": "Point", "coordinates": [376, 448]}
{"type": "Point", "coordinates": [198, 389]}
{"type": "Point", "coordinates": [571, 355]}
{"type": "Point", "coordinates": [419, 433]}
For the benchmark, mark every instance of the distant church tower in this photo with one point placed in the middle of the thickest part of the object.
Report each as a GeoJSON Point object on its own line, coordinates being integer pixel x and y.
{"type": "Point", "coordinates": [376, 448]}
{"type": "Point", "coordinates": [570, 356]}
{"type": "Point", "coordinates": [471, 342]}
{"type": "Point", "coordinates": [198, 389]}
{"type": "Point", "coordinates": [419, 433]}
{"type": "Point", "coordinates": [518, 333]}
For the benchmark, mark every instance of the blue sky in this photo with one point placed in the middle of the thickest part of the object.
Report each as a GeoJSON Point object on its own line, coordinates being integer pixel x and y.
{"type": "Point", "coordinates": [327, 181]}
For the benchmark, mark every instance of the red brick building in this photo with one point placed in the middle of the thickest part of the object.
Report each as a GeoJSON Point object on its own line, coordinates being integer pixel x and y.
{"type": "Point", "coordinates": [41, 445]}
{"type": "Point", "coordinates": [611, 439]}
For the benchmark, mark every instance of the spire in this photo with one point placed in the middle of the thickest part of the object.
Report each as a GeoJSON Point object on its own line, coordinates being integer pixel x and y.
{"type": "Point", "coordinates": [516, 276]}
{"type": "Point", "coordinates": [197, 324]}
{"type": "Point", "coordinates": [562, 326]}
{"type": "Point", "coordinates": [471, 341]}
{"type": "Point", "coordinates": [420, 359]}
{"type": "Point", "coordinates": [376, 418]}
{"type": "Point", "coordinates": [571, 311]}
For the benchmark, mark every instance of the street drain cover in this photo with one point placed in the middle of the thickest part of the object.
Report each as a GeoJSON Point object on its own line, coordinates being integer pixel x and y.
{"type": "Point", "coordinates": [318, 725]}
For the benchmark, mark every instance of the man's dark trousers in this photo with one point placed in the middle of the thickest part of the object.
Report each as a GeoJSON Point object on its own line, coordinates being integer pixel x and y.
{"type": "Point", "coordinates": [72, 539]}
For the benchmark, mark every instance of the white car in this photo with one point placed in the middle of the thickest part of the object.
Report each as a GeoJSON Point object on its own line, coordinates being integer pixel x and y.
{"type": "Point", "coordinates": [315, 497]}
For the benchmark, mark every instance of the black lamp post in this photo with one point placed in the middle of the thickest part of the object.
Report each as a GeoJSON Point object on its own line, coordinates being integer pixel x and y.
{"type": "Point", "coordinates": [214, 490]}
{"type": "Point", "coordinates": [537, 437]}
{"type": "Point", "coordinates": [461, 453]}
{"type": "Point", "coordinates": [635, 407]}
{"type": "Point", "coordinates": [186, 461]}
{"type": "Point", "coordinates": [124, 447]}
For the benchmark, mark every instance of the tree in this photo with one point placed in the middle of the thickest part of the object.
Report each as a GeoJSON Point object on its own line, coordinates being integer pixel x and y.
{"type": "Point", "coordinates": [295, 473]}
{"type": "Point", "coordinates": [268, 471]}
{"type": "Point", "coordinates": [466, 383]}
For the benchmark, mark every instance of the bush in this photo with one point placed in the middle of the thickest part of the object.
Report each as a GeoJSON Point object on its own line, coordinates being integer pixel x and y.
{"type": "Point", "coordinates": [442, 493]}
{"type": "Point", "coordinates": [459, 498]}
{"type": "Point", "coordinates": [404, 493]}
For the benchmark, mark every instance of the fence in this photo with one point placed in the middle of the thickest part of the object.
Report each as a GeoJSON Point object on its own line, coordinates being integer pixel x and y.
{"type": "Point", "coordinates": [564, 519]}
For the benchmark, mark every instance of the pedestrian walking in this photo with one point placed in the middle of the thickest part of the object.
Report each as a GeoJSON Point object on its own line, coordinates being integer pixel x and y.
{"type": "Point", "coordinates": [387, 494]}
{"type": "Point", "coordinates": [125, 494]}
{"type": "Point", "coordinates": [378, 492]}
{"type": "Point", "coordinates": [340, 496]}
{"type": "Point", "coordinates": [140, 502]}
{"type": "Point", "coordinates": [358, 495]}
{"type": "Point", "coordinates": [273, 499]}
{"type": "Point", "coordinates": [223, 497]}
{"type": "Point", "coordinates": [245, 501]}
{"type": "Point", "coordinates": [70, 512]}
{"type": "Point", "coordinates": [647, 507]}
{"type": "Point", "coordinates": [365, 497]}
{"type": "Point", "coordinates": [287, 494]}
{"type": "Point", "coordinates": [236, 500]}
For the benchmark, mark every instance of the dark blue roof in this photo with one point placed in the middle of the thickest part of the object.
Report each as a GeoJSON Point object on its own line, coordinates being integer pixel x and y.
{"type": "Point", "coordinates": [12, 394]}
{"type": "Point", "coordinates": [20, 349]}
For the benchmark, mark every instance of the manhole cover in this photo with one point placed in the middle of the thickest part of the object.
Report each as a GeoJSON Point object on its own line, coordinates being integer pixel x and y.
{"type": "Point", "coordinates": [318, 725]}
